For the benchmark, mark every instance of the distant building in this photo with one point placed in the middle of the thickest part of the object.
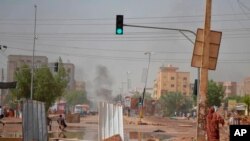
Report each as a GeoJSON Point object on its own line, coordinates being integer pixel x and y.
{"type": "Point", "coordinates": [244, 87]}
{"type": "Point", "coordinates": [15, 62]}
{"type": "Point", "coordinates": [80, 86]}
{"type": "Point", "coordinates": [70, 70]}
{"type": "Point", "coordinates": [171, 80]}
{"type": "Point", "coordinates": [229, 87]}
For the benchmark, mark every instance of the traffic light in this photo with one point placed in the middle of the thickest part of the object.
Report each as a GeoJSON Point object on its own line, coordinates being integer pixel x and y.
{"type": "Point", "coordinates": [119, 24]}
{"type": "Point", "coordinates": [140, 100]}
{"type": "Point", "coordinates": [195, 91]}
{"type": "Point", "coordinates": [56, 67]}
{"type": "Point", "coordinates": [3, 47]}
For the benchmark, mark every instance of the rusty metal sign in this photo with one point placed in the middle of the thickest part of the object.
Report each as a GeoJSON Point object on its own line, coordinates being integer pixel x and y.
{"type": "Point", "coordinates": [215, 40]}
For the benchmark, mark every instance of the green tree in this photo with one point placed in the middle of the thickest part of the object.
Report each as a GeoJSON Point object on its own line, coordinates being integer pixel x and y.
{"type": "Point", "coordinates": [61, 79]}
{"type": "Point", "coordinates": [47, 87]}
{"type": "Point", "coordinates": [138, 94]}
{"type": "Point", "coordinates": [215, 94]}
{"type": "Point", "coordinates": [76, 97]}
{"type": "Point", "coordinates": [175, 102]}
{"type": "Point", "coordinates": [246, 100]}
{"type": "Point", "coordinates": [235, 97]}
{"type": "Point", "coordinates": [23, 77]}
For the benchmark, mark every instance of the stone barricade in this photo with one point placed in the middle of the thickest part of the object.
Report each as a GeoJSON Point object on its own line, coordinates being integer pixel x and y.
{"type": "Point", "coordinates": [114, 138]}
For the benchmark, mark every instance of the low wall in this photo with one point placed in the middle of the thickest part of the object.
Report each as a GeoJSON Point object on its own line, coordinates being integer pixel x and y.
{"type": "Point", "coordinates": [73, 118]}
{"type": "Point", "coordinates": [10, 139]}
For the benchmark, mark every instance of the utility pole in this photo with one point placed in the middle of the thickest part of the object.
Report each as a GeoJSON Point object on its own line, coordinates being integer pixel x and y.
{"type": "Point", "coordinates": [2, 47]}
{"type": "Point", "coordinates": [2, 89]}
{"type": "Point", "coordinates": [144, 90]}
{"type": "Point", "coordinates": [33, 54]}
{"type": "Point", "coordinates": [202, 98]}
{"type": "Point", "coordinates": [128, 80]}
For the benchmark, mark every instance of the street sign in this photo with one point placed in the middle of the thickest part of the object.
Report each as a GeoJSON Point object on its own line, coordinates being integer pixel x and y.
{"type": "Point", "coordinates": [215, 39]}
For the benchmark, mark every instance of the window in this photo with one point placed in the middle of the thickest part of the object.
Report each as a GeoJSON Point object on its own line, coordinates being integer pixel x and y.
{"type": "Point", "coordinates": [184, 86]}
{"type": "Point", "coordinates": [184, 78]}
{"type": "Point", "coordinates": [172, 85]}
{"type": "Point", "coordinates": [172, 78]}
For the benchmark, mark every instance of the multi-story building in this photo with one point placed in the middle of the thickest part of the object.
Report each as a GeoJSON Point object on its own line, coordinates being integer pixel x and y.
{"type": "Point", "coordinates": [80, 86]}
{"type": "Point", "coordinates": [17, 61]}
{"type": "Point", "coordinates": [70, 70]}
{"type": "Point", "coordinates": [229, 87]}
{"type": "Point", "coordinates": [171, 80]}
{"type": "Point", "coordinates": [244, 87]}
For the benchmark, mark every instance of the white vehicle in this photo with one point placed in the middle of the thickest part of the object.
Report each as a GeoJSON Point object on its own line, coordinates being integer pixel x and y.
{"type": "Point", "coordinates": [82, 109]}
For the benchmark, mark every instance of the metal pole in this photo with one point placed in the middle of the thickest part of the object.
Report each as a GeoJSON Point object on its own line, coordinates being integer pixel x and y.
{"type": "Point", "coordinates": [128, 80]}
{"type": "Point", "coordinates": [2, 89]}
{"type": "Point", "coordinates": [164, 28]}
{"type": "Point", "coordinates": [144, 90]}
{"type": "Point", "coordinates": [33, 53]}
{"type": "Point", "coordinates": [182, 32]}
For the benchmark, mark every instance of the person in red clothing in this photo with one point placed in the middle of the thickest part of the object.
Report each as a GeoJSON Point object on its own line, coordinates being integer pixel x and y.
{"type": "Point", "coordinates": [213, 120]}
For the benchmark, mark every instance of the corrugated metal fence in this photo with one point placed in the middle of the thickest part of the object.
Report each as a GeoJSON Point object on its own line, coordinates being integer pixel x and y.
{"type": "Point", "coordinates": [110, 121]}
{"type": "Point", "coordinates": [34, 121]}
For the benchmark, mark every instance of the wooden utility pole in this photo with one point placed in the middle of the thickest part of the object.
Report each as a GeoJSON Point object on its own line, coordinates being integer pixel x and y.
{"type": "Point", "coordinates": [202, 107]}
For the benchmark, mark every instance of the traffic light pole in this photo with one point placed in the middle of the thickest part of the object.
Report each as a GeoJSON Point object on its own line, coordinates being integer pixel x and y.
{"type": "Point", "coordinates": [182, 31]}
{"type": "Point", "coordinates": [202, 72]}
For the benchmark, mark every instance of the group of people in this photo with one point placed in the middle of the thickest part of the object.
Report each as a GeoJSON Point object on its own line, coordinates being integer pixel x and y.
{"type": "Point", "coordinates": [6, 112]}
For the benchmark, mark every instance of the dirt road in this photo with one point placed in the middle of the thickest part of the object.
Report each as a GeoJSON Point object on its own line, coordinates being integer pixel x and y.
{"type": "Point", "coordinates": [158, 128]}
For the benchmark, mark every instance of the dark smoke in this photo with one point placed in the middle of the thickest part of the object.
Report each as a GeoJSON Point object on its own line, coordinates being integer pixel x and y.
{"type": "Point", "coordinates": [103, 84]}
{"type": "Point", "coordinates": [100, 89]}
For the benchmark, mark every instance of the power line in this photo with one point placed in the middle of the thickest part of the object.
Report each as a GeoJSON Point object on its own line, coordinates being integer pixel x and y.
{"type": "Point", "coordinates": [111, 24]}
{"type": "Point", "coordinates": [125, 58]}
{"type": "Point", "coordinates": [133, 18]}
{"type": "Point", "coordinates": [122, 50]}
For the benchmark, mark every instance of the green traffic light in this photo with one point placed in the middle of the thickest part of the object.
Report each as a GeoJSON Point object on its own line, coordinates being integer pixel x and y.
{"type": "Point", "coordinates": [119, 31]}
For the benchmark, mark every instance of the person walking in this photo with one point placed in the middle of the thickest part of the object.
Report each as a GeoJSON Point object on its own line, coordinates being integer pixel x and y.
{"type": "Point", "coordinates": [212, 127]}
{"type": "Point", "coordinates": [61, 122]}
{"type": "Point", "coordinates": [1, 112]}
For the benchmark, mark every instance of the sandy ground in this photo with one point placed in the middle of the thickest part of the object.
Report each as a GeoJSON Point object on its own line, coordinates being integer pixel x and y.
{"type": "Point", "coordinates": [176, 129]}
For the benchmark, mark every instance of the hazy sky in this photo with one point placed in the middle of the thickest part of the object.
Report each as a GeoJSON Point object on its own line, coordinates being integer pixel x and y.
{"type": "Point", "coordinates": [83, 32]}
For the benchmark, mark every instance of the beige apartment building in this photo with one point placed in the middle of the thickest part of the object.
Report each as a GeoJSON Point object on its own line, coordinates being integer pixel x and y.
{"type": "Point", "coordinates": [170, 80]}
{"type": "Point", "coordinates": [230, 88]}
{"type": "Point", "coordinates": [244, 87]}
